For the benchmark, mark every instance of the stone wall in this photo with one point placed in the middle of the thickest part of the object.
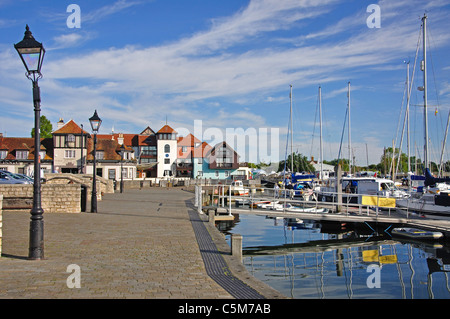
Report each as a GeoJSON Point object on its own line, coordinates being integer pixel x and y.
{"type": "Point", "coordinates": [104, 186]}
{"type": "Point", "coordinates": [55, 198]}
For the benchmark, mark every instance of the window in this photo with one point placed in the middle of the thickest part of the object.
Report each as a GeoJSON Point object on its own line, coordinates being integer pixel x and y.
{"type": "Point", "coordinates": [167, 173]}
{"type": "Point", "coordinates": [167, 148]}
{"type": "Point", "coordinates": [99, 155]}
{"type": "Point", "coordinates": [227, 173]}
{"type": "Point", "coordinates": [148, 150]}
{"type": "Point", "coordinates": [69, 154]}
{"type": "Point", "coordinates": [167, 161]}
{"type": "Point", "coordinates": [111, 174]}
{"type": "Point", "coordinates": [42, 154]}
{"type": "Point", "coordinates": [70, 138]}
{"type": "Point", "coordinates": [22, 155]}
{"type": "Point", "coordinates": [200, 173]}
{"type": "Point", "coordinates": [148, 160]}
{"type": "Point", "coordinates": [3, 154]}
{"type": "Point", "coordinates": [197, 144]}
{"type": "Point", "coordinates": [184, 149]}
{"type": "Point", "coordinates": [217, 173]}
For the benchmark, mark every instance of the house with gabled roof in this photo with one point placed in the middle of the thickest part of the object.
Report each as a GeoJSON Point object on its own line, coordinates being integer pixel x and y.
{"type": "Point", "coordinates": [17, 155]}
{"type": "Point", "coordinates": [220, 162]}
{"type": "Point", "coordinates": [190, 156]}
{"type": "Point", "coordinates": [69, 147]}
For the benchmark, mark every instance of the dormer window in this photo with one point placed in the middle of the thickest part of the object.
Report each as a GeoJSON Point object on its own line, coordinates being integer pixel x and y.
{"type": "Point", "coordinates": [3, 154]}
{"type": "Point", "coordinates": [23, 155]}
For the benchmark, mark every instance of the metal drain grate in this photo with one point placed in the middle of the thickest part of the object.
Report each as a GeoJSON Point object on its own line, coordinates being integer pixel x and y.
{"type": "Point", "coordinates": [215, 265]}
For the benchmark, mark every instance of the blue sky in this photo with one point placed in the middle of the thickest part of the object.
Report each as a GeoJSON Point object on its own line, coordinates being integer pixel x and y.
{"type": "Point", "coordinates": [230, 64]}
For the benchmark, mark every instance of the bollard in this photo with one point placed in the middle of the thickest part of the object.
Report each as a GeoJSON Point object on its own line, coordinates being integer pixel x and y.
{"type": "Point", "coordinates": [196, 196]}
{"type": "Point", "coordinates": [212, 216]}
{"type": "Point", "coordinates": [200, 201]}
{"type": "Point", "coordinates": [236, 246]}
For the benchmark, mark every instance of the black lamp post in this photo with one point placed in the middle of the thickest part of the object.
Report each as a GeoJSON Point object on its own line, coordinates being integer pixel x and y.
{"type": "Point", "coordinates": [122, 151]}
{"type": "Point", "coordinates": [32, 54]}
{"type": "Point", "coordinates": [95, 125]}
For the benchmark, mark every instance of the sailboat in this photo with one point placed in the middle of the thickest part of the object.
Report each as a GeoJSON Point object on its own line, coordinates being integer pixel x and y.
{"type": "Point", "coordinates": [434, 203]}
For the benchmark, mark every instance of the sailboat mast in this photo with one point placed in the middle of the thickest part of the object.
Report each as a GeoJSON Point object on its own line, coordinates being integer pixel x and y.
{"type": "Point", "coordinates": [408, 95]}
{"type": "Point", "coordinates": [292, 134]}
{"type": "Point", "coordinates": [321, 145]}
{"type": "Point", "coordinates": [424, 69]}
{"type": "Point", "coordinates": [349, 134]}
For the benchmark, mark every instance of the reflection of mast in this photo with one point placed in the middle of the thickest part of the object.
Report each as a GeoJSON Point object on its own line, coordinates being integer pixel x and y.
{"type": "Point", "coordinates": [412, 270]}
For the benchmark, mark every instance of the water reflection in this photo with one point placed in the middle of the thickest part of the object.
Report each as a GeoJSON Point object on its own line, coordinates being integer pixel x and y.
{"type": "Point", "coordinates": [307, 259]}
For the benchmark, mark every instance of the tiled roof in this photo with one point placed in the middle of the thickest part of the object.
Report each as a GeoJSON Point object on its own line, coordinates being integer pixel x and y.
{"type": "Point", "coordinates": [70, 128]}
{"type": "Point", "coordinates": [188, 140]}
{"type": "Point", "coordinates": [202, 150]}
{"type": "Point", "coordinates": [166, 129]}
{"type": "Point", "coordinates": [13, 144]}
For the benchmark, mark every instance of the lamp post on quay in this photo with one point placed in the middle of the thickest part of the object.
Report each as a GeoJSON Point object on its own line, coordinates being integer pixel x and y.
{"type": "Point", "coordinates": [95, 125]}
{"type": "Point", "coordinates": [122, 151]}
{"type": "Point", "coordinates": [32, 54]}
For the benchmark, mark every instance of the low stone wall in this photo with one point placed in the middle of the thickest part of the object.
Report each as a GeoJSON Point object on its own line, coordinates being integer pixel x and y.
{"type": "Point", "coordinates": [104, 186]}
{"type": "Point", "coordinates": [55, 198]}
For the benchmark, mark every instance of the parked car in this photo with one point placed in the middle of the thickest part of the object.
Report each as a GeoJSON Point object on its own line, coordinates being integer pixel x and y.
{"type": "Point", "coordinates": [26, 177]}
{"type": "Point", "coordinates": [11, 178]}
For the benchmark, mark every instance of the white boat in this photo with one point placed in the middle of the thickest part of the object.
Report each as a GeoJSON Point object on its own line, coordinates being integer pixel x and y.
{"type": "Point", "coordinates": [237, 188]}
{"type": "Point", "coordinates": [415, 233]}
{"type": "Point", "coordinates": [430, 205]}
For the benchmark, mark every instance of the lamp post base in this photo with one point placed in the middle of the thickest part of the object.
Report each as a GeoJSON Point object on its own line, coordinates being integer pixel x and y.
{"type": "Point", "coordinates": [36, 248]}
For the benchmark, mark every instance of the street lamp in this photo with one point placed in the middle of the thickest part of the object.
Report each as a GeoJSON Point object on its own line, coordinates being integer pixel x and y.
{"type": "Point", "coordinates": [32, 54]}
{"type": "Point", "coordinates": [95, 125]}
{"type": "Point", "coordinates": [122, 151]}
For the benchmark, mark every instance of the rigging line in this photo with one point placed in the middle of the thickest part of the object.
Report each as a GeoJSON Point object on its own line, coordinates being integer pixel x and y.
{"type": "Point", "coordinates": [399, 117]}
{"type": "Point", "coordinates": [314, 128]}
{"type": "Point", "coordinates": [287, 144]}
{"type": "Point", "coordinates": [342, 136]}
{"type": "Point", "coordinates": [431, 40]}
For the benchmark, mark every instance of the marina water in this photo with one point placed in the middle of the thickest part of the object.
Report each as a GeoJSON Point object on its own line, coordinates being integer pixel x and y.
{"type": "Point", "coordinates": [308, 259]}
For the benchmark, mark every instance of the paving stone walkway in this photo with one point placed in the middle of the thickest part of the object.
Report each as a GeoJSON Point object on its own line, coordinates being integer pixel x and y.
{"type": "Point", "coordinates": [140, 244]}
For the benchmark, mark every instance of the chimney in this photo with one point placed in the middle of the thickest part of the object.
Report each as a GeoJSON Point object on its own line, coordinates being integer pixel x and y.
{"type": "Point", "coordinates": [60, 123]}
{"type": "Point", "coordinates": [120, 139]}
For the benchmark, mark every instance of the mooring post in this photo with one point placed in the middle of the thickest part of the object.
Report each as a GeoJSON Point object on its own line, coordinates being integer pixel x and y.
{"type": "Point", "coordinates": [200, 200]}
{"type": "Point", "coordinates": [196, 196]}
{"type": "Point", "coordinates": [236, 246]}
{"type": "Point", "coordinates": [212, 216]}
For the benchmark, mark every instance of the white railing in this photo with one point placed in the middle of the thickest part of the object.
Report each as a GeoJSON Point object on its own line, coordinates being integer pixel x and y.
{"type": "Point", "coordinates": [221, 196]}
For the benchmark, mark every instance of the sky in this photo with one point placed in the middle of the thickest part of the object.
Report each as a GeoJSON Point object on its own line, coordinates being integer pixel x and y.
{"type": "Point", "coordinates": [217, 67]}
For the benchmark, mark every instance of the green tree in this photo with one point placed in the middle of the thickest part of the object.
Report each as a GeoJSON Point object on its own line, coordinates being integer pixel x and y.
{"type": "Point", "coordinates": [342, 161]}
{"type": "Point", "coordinates": [301, 164]}
{"type": "Point", "coordinates": [46, 128]}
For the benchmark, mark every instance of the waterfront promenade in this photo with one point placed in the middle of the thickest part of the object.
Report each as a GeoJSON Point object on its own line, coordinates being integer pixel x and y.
{"type": "Point", "coordinates": [140, 244]}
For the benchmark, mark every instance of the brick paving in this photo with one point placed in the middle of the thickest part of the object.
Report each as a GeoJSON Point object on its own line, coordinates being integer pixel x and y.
{"type": "Point", "coordinates": [140, 244]}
